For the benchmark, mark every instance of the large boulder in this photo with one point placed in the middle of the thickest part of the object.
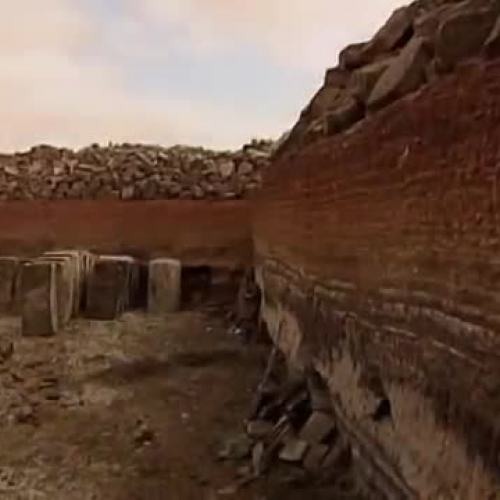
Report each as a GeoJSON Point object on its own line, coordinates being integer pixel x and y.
{"type": "Point", "coordinates": [64, 283]}
{"type": "Point", "coordinates": [39, 306]}
{"type": "Point", "coordinates": [463, 33]}
{"type": "Point", "coordinates": [354, 56]}
{"type": "Point", "coordinates": [364, 79]}
{"type": "Point", "coordinates": [345, 114]}
{"type": "Point", "coordinates": [396, 32]}
{"type": "Point", "coordinates": [405, 74]}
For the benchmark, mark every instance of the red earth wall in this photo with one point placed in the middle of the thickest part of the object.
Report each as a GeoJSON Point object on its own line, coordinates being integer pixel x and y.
{"type": "Point", "coordinates": [197, 232]}
{"type": "Point", "coordinates": [378, 252]}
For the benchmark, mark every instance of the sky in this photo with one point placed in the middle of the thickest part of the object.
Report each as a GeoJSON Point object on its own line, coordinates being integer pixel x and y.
{"type": "Point", "coordinates": [215, 73]}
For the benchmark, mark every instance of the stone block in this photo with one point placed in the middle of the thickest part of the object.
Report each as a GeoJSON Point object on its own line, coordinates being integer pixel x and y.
{"type": "Point", "coordinates": [81, 265]}
{"type": "Point", "coordinates": [164, 286]}
{"type": "Point", "coordinates": [108, 287]}
{"type": "Point", "coordinates": [9, 269]}
{"type": "Point", "coordinates": [405, 74]}
{"type": "Point", "coordinates": [64, 283]}
{"type": "Point", "coordinates": [463, 33]}
{"type": "Point", "coordinates": [39, 308]}
{"type": "Point", "coordinates": [317, 428]}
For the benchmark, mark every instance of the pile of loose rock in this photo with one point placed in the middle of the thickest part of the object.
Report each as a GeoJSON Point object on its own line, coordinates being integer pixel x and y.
{"type": "Point", "coordinates": [418, 44]}
{"type": "Point", "coordinates": [291, 429]}
{"type": "Point", "coordinates": [132, 172]}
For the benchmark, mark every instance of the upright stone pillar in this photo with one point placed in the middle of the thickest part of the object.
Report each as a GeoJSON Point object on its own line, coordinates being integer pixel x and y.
{"type": "Point", "coordinates": [39, 307]}
{"type": "Point", "coordinates": [164, 286]}
{"type": "Point", "coordinates": [108, 287]}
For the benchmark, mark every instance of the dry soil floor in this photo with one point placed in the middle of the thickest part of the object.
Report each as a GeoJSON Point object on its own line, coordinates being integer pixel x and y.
{"type": "Point", "coordinates": [126, 410]}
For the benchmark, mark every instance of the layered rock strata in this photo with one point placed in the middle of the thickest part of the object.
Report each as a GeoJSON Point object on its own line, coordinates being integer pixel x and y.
{"type": "Point", "coordinates": [377, 259]}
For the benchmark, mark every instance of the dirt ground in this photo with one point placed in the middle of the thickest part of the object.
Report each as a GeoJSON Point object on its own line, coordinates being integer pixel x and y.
{"type": "Point", "coordinates": [126, 410]}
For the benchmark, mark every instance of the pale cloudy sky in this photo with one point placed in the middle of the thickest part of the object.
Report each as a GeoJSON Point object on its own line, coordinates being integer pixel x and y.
{"type": "Point", "coordinates": [211, 72]}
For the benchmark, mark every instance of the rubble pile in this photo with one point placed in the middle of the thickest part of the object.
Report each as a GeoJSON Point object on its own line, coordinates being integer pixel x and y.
{"type": "Point", "coordinates": [419, 43]}
{"type": "Point", "coordinates": [132, 172]}
{"type": "Point", "coordinates": [291, 425]}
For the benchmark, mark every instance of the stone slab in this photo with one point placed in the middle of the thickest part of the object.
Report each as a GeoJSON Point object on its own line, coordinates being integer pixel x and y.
{"type": "Point", "coordinates": [80, 269]}
{"type": "Point", "coordinates": [108, 287]}
{"type": "Point", "coordinates": [317, 428]}
{"type": "Point", "coordinates": [65, 272]}
{"type": "Point", "coordinates": [9, 269]}
{"type": "Point", "coordinates": [164, 286]}
{"type": "Point", "coordinates": [39, 311]}
{"type": "Point", "coordinates": [293, 450]}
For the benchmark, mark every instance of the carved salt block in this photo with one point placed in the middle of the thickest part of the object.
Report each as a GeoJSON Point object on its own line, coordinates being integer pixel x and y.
{"type": "Point", "coordinates": [108, 287]}
{"type": "Point", "coordinates": [9, 268]}
{"type": "Point", "coordinates": [39, 308]}
{"type": "Point", "coordinates": [164, 286]}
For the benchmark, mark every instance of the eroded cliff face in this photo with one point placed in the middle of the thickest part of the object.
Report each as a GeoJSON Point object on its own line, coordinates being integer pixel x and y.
{"type": "Point", "coordinates": [377, 254]}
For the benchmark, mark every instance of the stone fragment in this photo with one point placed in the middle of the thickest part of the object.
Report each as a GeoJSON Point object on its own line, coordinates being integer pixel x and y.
{"type": "Point", "coordinates": [293, 450]}
{"type": "Point", "coordinates": [227, 168]}
{"type": "Point", "coordinates": [108, 287]}
{"type": "Point", "coordinates": [363, 80]}
{"type": "Point", "coordinates": [39, 314]}
{"type": "Point", "coordinates": [462, 35]}
{"type": "Point", "coordinates": [336, 77]}
{"type": "Point", "coordinates": [9, 268]}
{"type": "Point", "coordinates": [405, 74]}
{"type": "Point", "coordinates": [325, 99]}
{"type": "Point", "coordinates": [354, 56]}
{"type": "Point", "coordinates": [164, 287]}
{"type": "Point", "coordinates": [317, 428]}
{"type": "Point", "coordinates": [394, 33]}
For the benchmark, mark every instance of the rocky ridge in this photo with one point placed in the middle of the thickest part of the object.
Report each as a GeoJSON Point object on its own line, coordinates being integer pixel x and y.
{"type": "Point", "coordinates": [132, 172]}
{"type": "Point", "coordinates": [419, 43]}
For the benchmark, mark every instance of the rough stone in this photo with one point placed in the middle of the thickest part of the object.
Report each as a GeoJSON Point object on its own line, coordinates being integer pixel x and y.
{"type": "Point", "coordinates": [405, 74]}
{"type": "Point", "coordinates": [363, 80]}
{"type": "Point", "coordinates": [336, 77]}
{"type": "Point", "coordinates": [39, 315]}
{"type": "Point", "coordinates": [354, 56]}
{"type": "Point", "coordinates": [64, 283]}
{"type": "Point", "coordinates": [317, 428]}
{"type": "Point", "coordinates": [164, 287]}
{"type": "Point", "coordinates": [462, 35]}
{"type": "Point", "coordinates": [9, 268]}
{"type": "Point", "coordinates": [343, 116]}
{"type": "Point", "coordinates": [395, 32]}
{"type": "Point", "coordinates": [108, 287]}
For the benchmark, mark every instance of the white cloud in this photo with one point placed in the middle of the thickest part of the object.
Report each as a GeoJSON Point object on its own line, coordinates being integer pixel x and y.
{"type": "Point", "coordinates": [301, 33]}
{"type": "Point", "coordinates": [52, 91]}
